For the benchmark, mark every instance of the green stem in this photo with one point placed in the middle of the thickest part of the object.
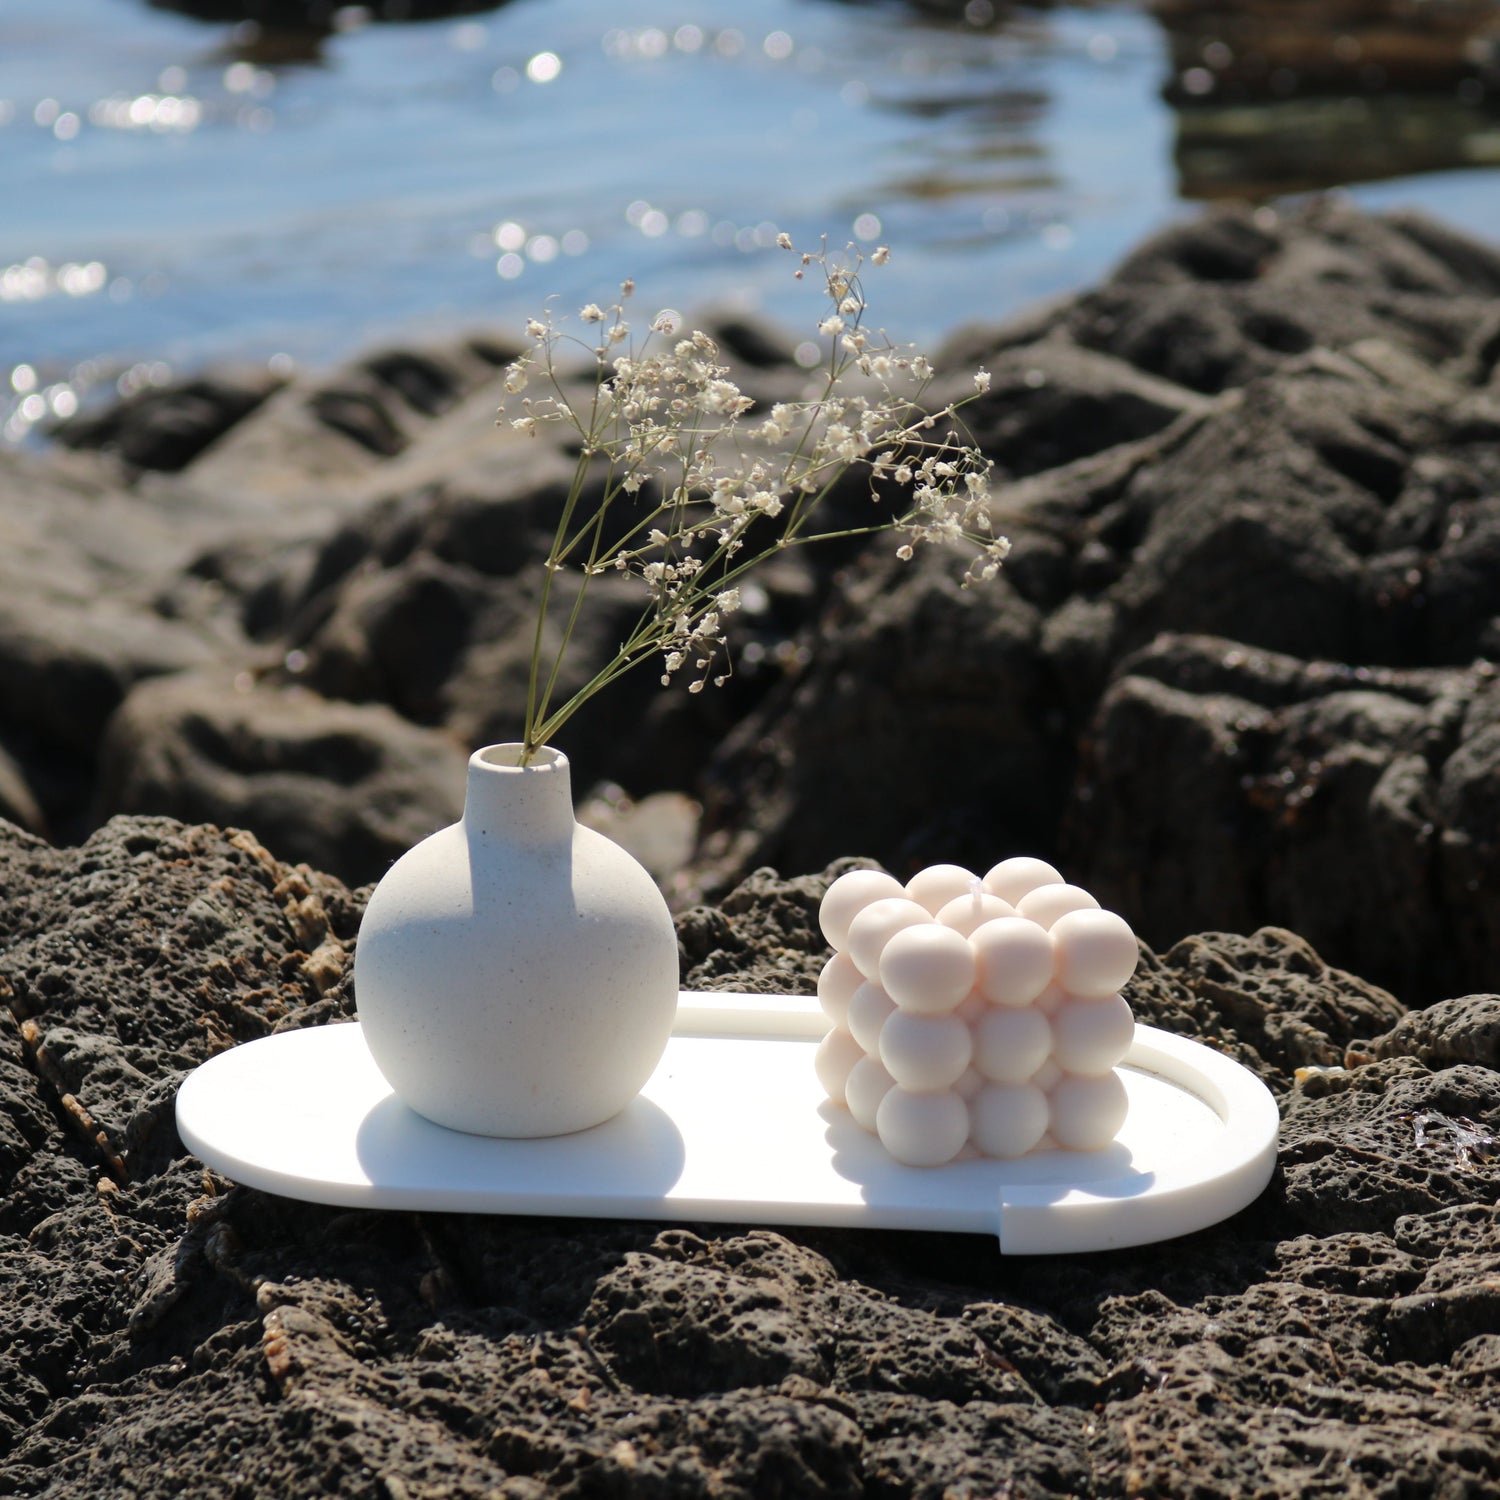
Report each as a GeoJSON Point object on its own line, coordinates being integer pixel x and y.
{"type": "Point", "coordinates": [596, 526]}
{"type": "Point", "coordinates": [531, 741]}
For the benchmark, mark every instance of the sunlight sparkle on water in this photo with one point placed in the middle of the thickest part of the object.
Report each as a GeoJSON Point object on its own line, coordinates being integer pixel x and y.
{"type": "Point", "coordinates": [421, 176]}
{"type": "Point", "coordinates": [544, 67]}
{"type": "Point", "coordinates": [160, 112]}
{"type": "Point", "coordinates": [34, 279]}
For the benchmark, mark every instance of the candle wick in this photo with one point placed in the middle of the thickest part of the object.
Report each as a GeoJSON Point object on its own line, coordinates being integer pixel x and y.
{"type": "Point", "coordinates": [976, 889]}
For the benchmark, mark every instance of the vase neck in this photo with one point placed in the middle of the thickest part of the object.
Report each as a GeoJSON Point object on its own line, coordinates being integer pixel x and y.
{"type": "Point", "coordinates": [531, 804]}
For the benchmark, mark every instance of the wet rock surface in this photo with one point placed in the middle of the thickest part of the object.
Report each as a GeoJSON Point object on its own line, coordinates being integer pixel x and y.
{"type": "Point", "coordinates": [168, 1333]}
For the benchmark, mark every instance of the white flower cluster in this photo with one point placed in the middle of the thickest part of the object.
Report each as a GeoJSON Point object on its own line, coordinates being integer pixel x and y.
{"type": "Point", "coordinates": [663, 426]}
{"type": "Point", "coordinates": [975, 1016]}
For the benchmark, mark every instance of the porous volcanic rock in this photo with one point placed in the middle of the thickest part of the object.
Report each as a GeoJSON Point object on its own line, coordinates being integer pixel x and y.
{"type": "Point", "coordinates": [1465, 1029]}
{"type": "Point", "coordinates": [169, 1334]}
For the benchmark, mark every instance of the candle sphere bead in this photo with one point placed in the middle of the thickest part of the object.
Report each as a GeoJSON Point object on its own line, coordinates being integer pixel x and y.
{"type": "Point", "coordinates": [835, 1060]}
{"type": "Point", "coordinates": [969, 1083]}
{"type": "Point", "coordinates": [1091, 1036]}
{"type": "Point", "coordinates": [922, 1129]}
{"type": "Point", "coordinates": [836, 986]}
{"type": "Point", "coordinates": [869, 1009]}
{"type": "Point", "coordinates": [1011, 1044]}
{"type": "Point", "coordinates": [1013, 878]}
{"type": "Point", "coordinates": [1047, 903]}
{"type": "Point", "coordinates": [1008, 1119]}
{"type": "Point", "coordinates": [925, 1052]}
{"type": "Point", "coordinates": [1045, 1078]}
{"type": "Point", "coordinates": [851, 893]}
{"type": "Point", "coordinates": [1052, 999]}
{"type": "Point", "coordinates": [867, 1084]}
{"type": "Point", "coordinates": [1096, 953]}
{"type": "Point", "coordinates": [927, 967]}
{"type": "Point", "coordinates": [964, 913]}
{"type": "Point", "coordinates": [937, 885]}
{"type": "Point", "coordinates": [875, 925]}
{"type": "Point", "coordinates": [974, 1008]}
{"type": "Point", "coordinates": [1088, 1112]}
{"type": "Point", "coordinates": [1014, 959]}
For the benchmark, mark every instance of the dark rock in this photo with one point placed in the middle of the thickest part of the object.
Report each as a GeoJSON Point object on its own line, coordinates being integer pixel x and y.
{"type": "Point", "coordinates": [1407, 1141]}
{"type": "Point", "coordinates": [1217, 302]}
{"type": "Point", "coordinates": [168, 427]}
{"type": "Point", "coordinates": [1236, 676]}
{"type": "Point", "coordinates": [1374, 47]}
{"type": "Point", "coordinates": [750, 340]}
{"type": "Point", "coordinates": [1462, 1030]}
{"type": "Point", "coordinates": [428, 604]}
{"type": "Point", "coordinates": [319, 15]}
{"type": "Point", "coordinates": [660, 830]}
{"type": "Point", "coordinates": [1281, 772]}
{"type": "Point", "coordinates": [1052, 402]}
{"type": "Point", "coordinates": [64, 670]}
{"type": "Point", "coordinates": [1269, 439]}
{"type": "Point", "coordinates": [1237, 670]}
{"type": "Point", "coordinates": [691, 1318]}
{"type": "Point", "coordinates": [1349, 1317]}
{"type": "Point", "coordinates": [17, 804]}
{"type": "Point", "coordinates": [1267, 1000]}
{"type": "Point", "coordinates": [109, 584]}
{"type": "Point", "coordinates": [900, 635]}
{"type": "Point", "coordinates": [338, 428]}
{"type": "Point", "coordinates": [343, 786]}
{"type": "Point", "coordinates": [396, 638]}
{"type": "Point", "coordinates": [764, 939]}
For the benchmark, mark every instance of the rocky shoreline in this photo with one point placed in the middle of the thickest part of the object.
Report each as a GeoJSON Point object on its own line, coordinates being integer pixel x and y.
{"type": "Point", "coordinates": [1238, 669]}
{"type": "Point", "coordinates": [1237, 678]}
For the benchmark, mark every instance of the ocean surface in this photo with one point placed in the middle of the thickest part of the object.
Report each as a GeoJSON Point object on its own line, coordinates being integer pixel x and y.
{"type": "Point", "coordinates": [175, 191]}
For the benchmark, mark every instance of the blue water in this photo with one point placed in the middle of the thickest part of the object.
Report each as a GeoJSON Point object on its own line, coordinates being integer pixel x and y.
{"type": "Point", "coordinates": [168, 197]}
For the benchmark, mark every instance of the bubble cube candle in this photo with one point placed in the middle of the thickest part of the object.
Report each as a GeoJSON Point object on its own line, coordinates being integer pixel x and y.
{"type": "Point", "coordinates": [975, 1014]}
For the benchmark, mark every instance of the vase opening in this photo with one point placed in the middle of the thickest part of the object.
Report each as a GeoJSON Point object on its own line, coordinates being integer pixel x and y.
{"type": "Point", "coordinates": [507, 757]}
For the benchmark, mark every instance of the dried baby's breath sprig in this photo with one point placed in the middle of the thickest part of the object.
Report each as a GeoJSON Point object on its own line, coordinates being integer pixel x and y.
{"type": "Point", "coordinates": [714, 487]}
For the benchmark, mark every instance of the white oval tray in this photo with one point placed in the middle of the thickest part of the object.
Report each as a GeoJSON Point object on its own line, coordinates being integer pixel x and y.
{"type": "Point", "coordinates": [733, 1126]}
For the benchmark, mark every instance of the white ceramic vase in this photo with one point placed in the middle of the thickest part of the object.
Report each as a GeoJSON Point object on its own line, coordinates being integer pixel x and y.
{"type": "Point", "coordinates": [516, 973]}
